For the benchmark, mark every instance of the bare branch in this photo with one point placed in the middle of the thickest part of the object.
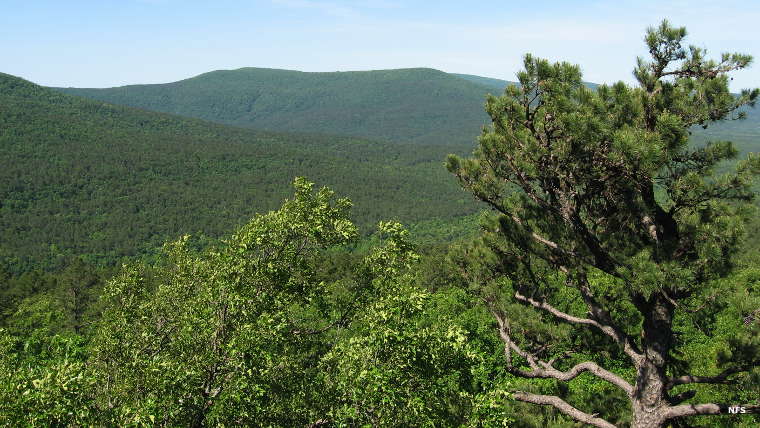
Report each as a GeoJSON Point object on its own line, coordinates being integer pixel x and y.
{"type": "Point", "coordinates": [708, 409]}
{"type": "Point", "coordinates": [545, 370]}
{"type": "Point", "coordinates": [509, 345]}
{"type": "Point", "coordinates": [588, 366]}
{"type": "Point", "coordinates": [755, 315]}
{"type": "Point", "coordinates": [562, 406]}
{"type": "Point", "coordinates": [609, 328]}
{"type": "Point", "coordinates": [536, 237]}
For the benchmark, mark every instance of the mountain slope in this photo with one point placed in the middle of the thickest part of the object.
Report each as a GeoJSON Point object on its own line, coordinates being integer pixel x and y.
{"type": "Point", "coordinates": [84, 177]}
{"type": "Point", "coordinates": [416, 105]}
{"type": "Point", "coordinates": [409, 105]}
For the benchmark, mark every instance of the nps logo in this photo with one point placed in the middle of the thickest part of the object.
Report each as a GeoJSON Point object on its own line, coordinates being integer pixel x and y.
{"type": "Point", "coordinates": [737, 409]}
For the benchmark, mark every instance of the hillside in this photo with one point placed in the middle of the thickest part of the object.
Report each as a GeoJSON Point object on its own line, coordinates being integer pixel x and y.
{"type": "Point", "coordinates": [417, 105]}
{"type": "Point", "coordinates": [84, 177]}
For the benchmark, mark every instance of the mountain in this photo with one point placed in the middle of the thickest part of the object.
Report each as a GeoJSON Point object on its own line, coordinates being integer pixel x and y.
{"type": "Point", "coordinates": [417, 105]}
{"type": "Point", "coordinates": [85, 177]}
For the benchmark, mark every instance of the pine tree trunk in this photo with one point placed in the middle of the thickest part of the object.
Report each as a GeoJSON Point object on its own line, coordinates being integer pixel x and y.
{"type": "Point", "coordinates": [650, 401]}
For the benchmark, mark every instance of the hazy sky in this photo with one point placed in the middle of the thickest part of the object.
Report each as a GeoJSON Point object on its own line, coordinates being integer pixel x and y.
{"type": "Point", "coordinates": [102, 43]}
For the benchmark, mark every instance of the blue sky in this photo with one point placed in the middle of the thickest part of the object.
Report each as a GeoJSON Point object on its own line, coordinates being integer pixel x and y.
{"type": "Point", "coordinates": [116, 42]}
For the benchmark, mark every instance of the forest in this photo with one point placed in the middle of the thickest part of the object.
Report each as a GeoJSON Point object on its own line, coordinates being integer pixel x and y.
{"type": "Point", "coordinates": [592, 259]}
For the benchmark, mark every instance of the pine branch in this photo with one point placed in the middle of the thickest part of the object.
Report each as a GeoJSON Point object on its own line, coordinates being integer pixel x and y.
{"type": "Point", "coordinates": [612, 330]}
{"type": "Point", "coordinates": [563, 407]}
{"type": "Point", "coordinates": [545, 370]}
{"type": "Point", "coordinates": [625, 341]}
{"type": "Point", "coordinates": [708, 409]}
{"type": "Point", "coordinates": [553, 246]}
{"type": "Point", "coordinates": [721, 378]}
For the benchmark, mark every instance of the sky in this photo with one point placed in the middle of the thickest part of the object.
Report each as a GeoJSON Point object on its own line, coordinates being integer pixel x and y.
{"type": "Point", "coordinates": [103, 43]}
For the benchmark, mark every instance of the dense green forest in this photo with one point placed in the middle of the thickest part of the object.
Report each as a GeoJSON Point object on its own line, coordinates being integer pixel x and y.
{"type": "Point", "coordinates": [167, 271]}
{"type": "Point", "coordinates": [418, 105]}
{"type": "Point", "coordinates": [100, 181]}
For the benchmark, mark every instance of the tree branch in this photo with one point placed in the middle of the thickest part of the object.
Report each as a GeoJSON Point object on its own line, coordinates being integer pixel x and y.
{"type": "Point", "coordinates": [717, 379]}
{"type": "Point", "coordinates": [550, 372]}
{"type": "Point", "coordinates": [545, 370]}
{"type": "Point", "coordinates": [536, 237]}
{"type": "Point", "coordinates": [605, 319]}
{"type": "Point", "coordinates": [562, 406]}
{"type": "Point", "coordinates": [708, 409]}
{"type": "Point", "coordinates": [621, 338]}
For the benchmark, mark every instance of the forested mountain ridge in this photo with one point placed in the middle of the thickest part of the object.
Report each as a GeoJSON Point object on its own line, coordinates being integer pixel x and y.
{"type": "Point", "coordinates": [81, 177]}
{"type": "Point", "coordinates": [417, 105]}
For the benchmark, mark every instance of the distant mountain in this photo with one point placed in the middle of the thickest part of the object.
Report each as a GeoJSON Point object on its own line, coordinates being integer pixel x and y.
{"type": "Point", "coordinates": [417, 105]}
{"type": "Point", "coordinates": [84, 177]}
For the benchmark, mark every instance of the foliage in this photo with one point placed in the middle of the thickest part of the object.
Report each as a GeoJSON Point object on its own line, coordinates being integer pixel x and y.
{"type": "Point", "coordinates": [43, 382]}
{"type": "Point", "coordinates": [226, 336]}
{"type": "Point", "coordinates": [43, 303]}
{"type": "Point", "coordinates": [251, 333]}
{"type": "Point", "coordinates": [398, 366]}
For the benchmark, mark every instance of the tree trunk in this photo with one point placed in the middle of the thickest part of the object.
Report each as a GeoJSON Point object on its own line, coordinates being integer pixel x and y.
{"type": "Point", "coordinates": [649, 402]}
{"type": "Point", "coordinates": [650, 399]}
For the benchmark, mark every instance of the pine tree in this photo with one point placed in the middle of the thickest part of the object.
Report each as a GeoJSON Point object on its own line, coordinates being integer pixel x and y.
{"type": "Point", "coordinates": [601, 198]}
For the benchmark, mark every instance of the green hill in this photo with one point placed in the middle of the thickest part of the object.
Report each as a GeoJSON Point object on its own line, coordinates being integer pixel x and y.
{"type": "Point", "coordinates": [416, 105]}
{"type": "Point", "coordinates": [85, 177]}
